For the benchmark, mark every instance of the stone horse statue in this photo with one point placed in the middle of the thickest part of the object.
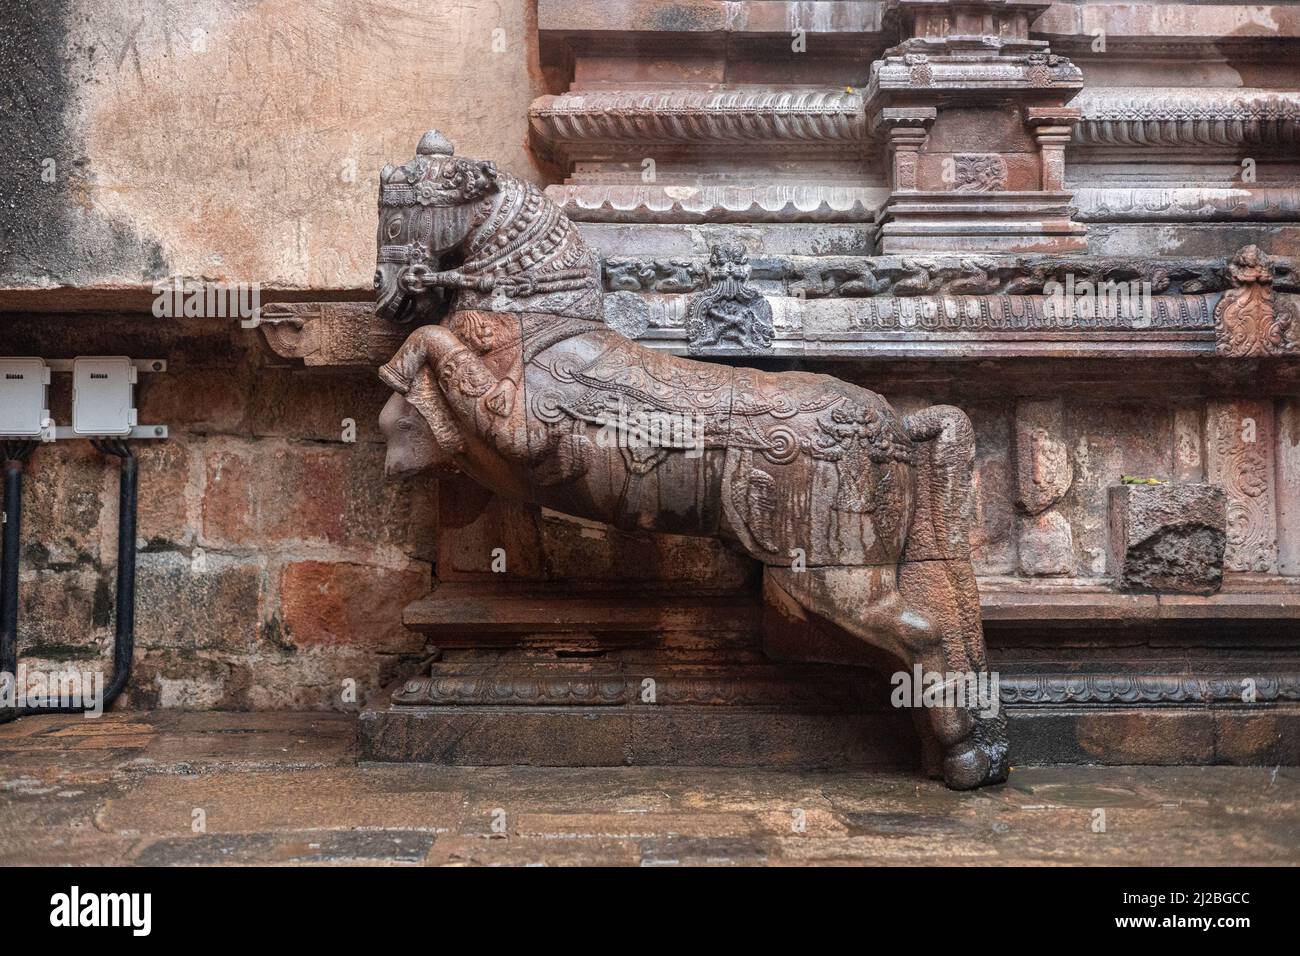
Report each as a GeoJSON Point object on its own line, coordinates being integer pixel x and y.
{"type": "Point", "coordinates": [512, 378]}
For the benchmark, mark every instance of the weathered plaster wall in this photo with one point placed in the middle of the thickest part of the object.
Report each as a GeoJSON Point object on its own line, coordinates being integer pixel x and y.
{"type": "Point", "coordinates": [237, 140]}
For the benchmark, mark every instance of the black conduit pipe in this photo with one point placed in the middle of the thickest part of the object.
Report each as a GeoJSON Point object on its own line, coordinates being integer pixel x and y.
{"type": "Point", "coordinates": [15, 458]}
{"type": "Point", "coordinates": [124, 626]}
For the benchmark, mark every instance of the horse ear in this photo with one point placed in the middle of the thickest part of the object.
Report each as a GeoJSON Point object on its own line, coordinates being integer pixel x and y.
{"type": "Point", "coordinates": [484, 173]}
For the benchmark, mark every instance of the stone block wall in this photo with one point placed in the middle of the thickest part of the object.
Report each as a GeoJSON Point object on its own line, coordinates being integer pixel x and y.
{"type": "Point", "coordinates": [241, 140]}
{"type": "Point", "coordinates": [275, 556]}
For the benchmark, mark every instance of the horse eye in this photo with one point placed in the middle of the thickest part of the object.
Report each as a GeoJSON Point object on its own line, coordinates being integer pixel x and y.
{"type": "Point", "coordinates": [404, 425]}
{"type": "Point", "coordinates": [394, 228]}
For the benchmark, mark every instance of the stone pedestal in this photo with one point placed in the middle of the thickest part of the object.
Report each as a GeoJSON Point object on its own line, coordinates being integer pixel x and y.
{"type": "Point", "coordinates": [991, 222]}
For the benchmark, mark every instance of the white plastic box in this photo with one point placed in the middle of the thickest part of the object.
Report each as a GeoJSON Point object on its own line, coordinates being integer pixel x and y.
{"type": "Point", "coordinates": [103, 396]}
{"type": "Point", "coordinates": [24, 403]}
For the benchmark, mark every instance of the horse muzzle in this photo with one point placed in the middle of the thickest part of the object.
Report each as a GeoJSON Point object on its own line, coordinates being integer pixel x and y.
{"type": "Point", "coordinates": [401, 296]}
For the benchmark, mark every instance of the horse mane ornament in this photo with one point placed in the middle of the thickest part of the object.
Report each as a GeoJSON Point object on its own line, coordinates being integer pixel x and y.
{"type": "Point", "coordinates": [509, 376]}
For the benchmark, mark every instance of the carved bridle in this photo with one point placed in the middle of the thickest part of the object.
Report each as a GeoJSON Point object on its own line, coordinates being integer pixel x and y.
{"type": "Point", "coordinates": [435, 180]}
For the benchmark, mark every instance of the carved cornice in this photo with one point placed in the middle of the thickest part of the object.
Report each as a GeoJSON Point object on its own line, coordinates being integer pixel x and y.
{"type": "Point", "coordinates": [1171, 116]}
{"type": "Point", "coordinates": [859, 276]}
{"type": "Point", "coordinates": [573, 121]}
{"type": "Point", "coordinates": [678, 204]}
{"type": "Point", "coordinates": [921, 74]}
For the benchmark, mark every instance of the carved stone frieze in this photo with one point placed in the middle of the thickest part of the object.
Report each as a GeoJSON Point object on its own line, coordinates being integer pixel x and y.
{"type": "Point", "coordinates": [860, 276]}
{"type": "Point", "coordinates": [448, 686]}
{"type": "Point", "coordinates": [1052, 689]}
{"type": "Point", "coordinates": [979, 172]}
{"type": "Point", "coordinates": [1140, 203]}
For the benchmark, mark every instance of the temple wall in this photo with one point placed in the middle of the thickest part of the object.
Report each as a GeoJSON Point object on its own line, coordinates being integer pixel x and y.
{"type": "Point", "coordinates": [229, 141]}
{"type": "Point", "coordinates": [240, 141]}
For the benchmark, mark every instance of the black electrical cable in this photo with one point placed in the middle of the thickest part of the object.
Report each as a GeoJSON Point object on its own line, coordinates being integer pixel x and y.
{"type": "Point", "coordinates": [124, 625]}
{"type": "Point", "coordinates": [15, 455]}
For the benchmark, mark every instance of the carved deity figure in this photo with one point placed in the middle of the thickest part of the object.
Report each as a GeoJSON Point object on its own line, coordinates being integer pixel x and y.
{"type": "Point", "coordinates": [731, 311]}
{"type": "Point", "coordinates": [511, 377]}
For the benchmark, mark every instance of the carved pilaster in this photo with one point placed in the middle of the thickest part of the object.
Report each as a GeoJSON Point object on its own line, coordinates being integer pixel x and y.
{"type": "Point", "coordinates": [1240, 452]}
{"type": "Point", "coordinates": [906, 131]}
{"type": "Point", "coordinates": [957, 59]}
{"type": "Point", "coordinates": [1052, 128]}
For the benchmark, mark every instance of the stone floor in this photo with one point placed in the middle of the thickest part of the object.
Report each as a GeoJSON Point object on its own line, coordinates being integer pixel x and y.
{"type": "Point", "coordinates": [175, 788]}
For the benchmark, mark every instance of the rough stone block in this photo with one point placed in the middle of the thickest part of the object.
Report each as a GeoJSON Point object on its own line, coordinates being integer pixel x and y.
{"type": "Point", "coordinates": [64, 494]}
{"type": "Point", "coordinates": [197, 601]}
{"type": "Point", "coordinates": [312, 405]}
{"type": "Point", "coordinates": [266, 493]}
{"type": "Point", "coordinates": [334, 603]}
{"type": "Point", "coordinates": [1046, 545]}
{"type": "Point", "coordinates": [1168, 537]}
{"type": "Point", "coordinates": [62, 614]}
{"type": "Point", "coordinates": [202, 400]}
{"type": "Point", "coordinates": [162, 512]}
{"type": "Point", "coordinates": [163, 679]}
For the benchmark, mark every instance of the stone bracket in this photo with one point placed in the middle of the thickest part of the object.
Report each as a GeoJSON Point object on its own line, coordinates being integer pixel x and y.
{"type": "Point", "coordinates": [330, 333]}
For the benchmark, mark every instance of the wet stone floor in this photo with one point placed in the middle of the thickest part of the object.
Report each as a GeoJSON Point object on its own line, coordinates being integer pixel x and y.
{"type": "Point", "coordinates": [176, 788]}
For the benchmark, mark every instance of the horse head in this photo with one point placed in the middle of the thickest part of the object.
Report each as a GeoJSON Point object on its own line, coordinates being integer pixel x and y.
{"type": "Point", "coordinates": [426, 212]}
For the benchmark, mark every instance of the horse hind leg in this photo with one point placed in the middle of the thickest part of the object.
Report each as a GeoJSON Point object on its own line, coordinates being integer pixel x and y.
{"type": "Point", "coordinates": [869, 603]}
{"type": "Point", "coordinates": [936, 572]}
{"type": "Point", "coordinates": [948, 592]}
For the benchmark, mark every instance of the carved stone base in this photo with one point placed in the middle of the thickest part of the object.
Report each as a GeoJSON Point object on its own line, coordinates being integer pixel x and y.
{"type": "Point", "coordinates": [637, 734]}
{"type": "Point", "coordinates": [567, 677]}
{"type": "Point", "coordinates": [1150, 730]}
{"type": "Point", "coordinates": [981, 222]}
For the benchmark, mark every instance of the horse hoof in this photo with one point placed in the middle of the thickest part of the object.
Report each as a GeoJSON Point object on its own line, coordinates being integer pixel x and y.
{"type": "Point", "coordinates": [981, 759]}
{"type": "Point", "coordinates": [966, 767]}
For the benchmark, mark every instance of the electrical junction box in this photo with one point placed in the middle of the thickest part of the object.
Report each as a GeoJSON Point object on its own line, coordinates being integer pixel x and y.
{"type": "Point", "coordinates": [103, 396]}
{"type": "Point", "coordinates": [24, 403]}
